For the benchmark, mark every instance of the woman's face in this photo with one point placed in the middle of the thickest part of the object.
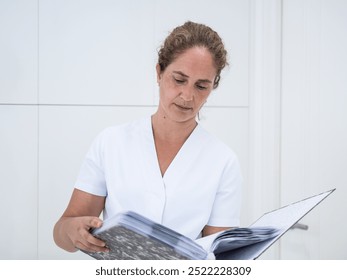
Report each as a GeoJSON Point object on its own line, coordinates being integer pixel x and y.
{"type": "Point", "coordinates": [185, 84]}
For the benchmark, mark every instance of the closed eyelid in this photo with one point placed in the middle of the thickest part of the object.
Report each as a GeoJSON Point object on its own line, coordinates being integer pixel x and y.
{"type": "Point", "coordinates": [202, 87]}
{"type": "Point", "coordinates": [179, 80]}
{"type": "Point", "coordinates": [203, 84]}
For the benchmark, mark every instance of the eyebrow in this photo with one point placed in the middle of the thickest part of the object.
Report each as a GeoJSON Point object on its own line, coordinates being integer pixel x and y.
{"type": "Point", "coordinates": [186, 76]}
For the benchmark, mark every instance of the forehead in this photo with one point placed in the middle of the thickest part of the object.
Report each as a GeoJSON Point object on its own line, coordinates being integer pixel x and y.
{"type": "Point", "coordinates": [195, 62]}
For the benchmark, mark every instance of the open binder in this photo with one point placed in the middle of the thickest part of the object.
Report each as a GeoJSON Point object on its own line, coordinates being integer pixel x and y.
{"type": "Point", "coordinates": [131, 236]}
{"type": "Point", "coordinates": [283, 219]}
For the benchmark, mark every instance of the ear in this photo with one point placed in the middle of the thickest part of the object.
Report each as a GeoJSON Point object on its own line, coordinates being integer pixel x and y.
{"type": "Point", "coordinates": [158, 73]}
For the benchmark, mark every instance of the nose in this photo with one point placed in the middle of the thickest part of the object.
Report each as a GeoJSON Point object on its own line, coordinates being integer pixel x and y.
{"type": "Point", "coordinates": [187, 94]}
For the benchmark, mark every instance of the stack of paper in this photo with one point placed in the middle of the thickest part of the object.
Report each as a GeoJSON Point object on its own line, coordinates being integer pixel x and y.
{"type": "Point", "coordinates": [240, 237]}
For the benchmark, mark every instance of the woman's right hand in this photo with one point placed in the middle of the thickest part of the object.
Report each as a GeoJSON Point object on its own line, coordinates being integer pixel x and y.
{"type": "Point", "coordinates": [72, 231]}
{"type": "Point", "coordinates": [77, 234]}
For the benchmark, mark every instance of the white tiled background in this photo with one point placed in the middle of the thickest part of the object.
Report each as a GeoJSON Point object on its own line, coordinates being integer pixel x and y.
{"type": "Point", "coordinates": [70, 68]}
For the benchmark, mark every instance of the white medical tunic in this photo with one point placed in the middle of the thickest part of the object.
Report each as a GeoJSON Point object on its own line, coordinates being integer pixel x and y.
{"type": "Point", "coordinates": [202, 185]}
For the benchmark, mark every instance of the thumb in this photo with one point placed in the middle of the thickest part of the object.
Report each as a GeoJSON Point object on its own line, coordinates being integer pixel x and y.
{"type": "Point", "coordinates": [93, 222]}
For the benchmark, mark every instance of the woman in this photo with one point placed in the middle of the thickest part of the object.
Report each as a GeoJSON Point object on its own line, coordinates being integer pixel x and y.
{"type": "Point", "coordinates": [165, 167]}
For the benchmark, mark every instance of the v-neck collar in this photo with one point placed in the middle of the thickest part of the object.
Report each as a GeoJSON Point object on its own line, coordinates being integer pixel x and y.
{"type": "Point", "coordinates": [181, 156]}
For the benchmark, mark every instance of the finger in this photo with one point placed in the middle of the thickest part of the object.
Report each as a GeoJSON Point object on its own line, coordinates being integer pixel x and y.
{"type": "Point", "coordinates": [90, 243]}
{"type": "Point", "coordinates": [86, 246]}
{"type": "Point", "coordinates": [90, 239]}
{"type": "Point", "coordinates": [95, 241]}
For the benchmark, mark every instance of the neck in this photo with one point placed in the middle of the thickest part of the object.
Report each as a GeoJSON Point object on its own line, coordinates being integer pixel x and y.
{"type": "Point", "coordinates": [171, 131]}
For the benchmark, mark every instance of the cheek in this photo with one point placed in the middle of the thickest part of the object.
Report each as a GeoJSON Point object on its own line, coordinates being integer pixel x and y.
{"type": "Point", "coordinates": [165, 96]}
{"type": "Point", "coordinates": [202, 97]}
{"type": "Point", "coordinates": [168, 90]}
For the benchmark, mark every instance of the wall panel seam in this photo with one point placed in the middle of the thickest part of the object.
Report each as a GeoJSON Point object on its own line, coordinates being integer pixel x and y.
{"type": "Point", "coordinates": [38, 133]}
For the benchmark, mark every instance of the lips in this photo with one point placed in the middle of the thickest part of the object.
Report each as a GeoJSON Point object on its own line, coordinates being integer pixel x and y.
{"type": "Point", "coordinates": [183, 108]}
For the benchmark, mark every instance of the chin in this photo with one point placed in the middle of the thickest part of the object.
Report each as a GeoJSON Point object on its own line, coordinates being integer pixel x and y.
{"type": "Point", "coordinates": [185, 119]}
{"type": "Point", "coordinates": [179, 116]}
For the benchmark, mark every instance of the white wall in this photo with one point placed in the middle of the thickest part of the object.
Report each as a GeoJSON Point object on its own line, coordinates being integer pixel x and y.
{"type": "Point", "coordinates": [70, 68]}
{"type": "Point", "coordinates": [314, 124]}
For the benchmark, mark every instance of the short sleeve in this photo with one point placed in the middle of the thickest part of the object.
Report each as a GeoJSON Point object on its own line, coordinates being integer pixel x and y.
{"type": "Point", "coordinates": [227, 204]}
{"type": "Point", "coordinates": [91, 177]}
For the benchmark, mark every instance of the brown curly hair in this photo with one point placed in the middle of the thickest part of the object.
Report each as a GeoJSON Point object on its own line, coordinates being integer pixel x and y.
{"type": "Point", "coordinates": [189, 35]}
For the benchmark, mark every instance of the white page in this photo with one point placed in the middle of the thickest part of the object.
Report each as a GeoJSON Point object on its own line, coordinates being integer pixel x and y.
{"type": "Point", "coordinates": [206, 242]}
